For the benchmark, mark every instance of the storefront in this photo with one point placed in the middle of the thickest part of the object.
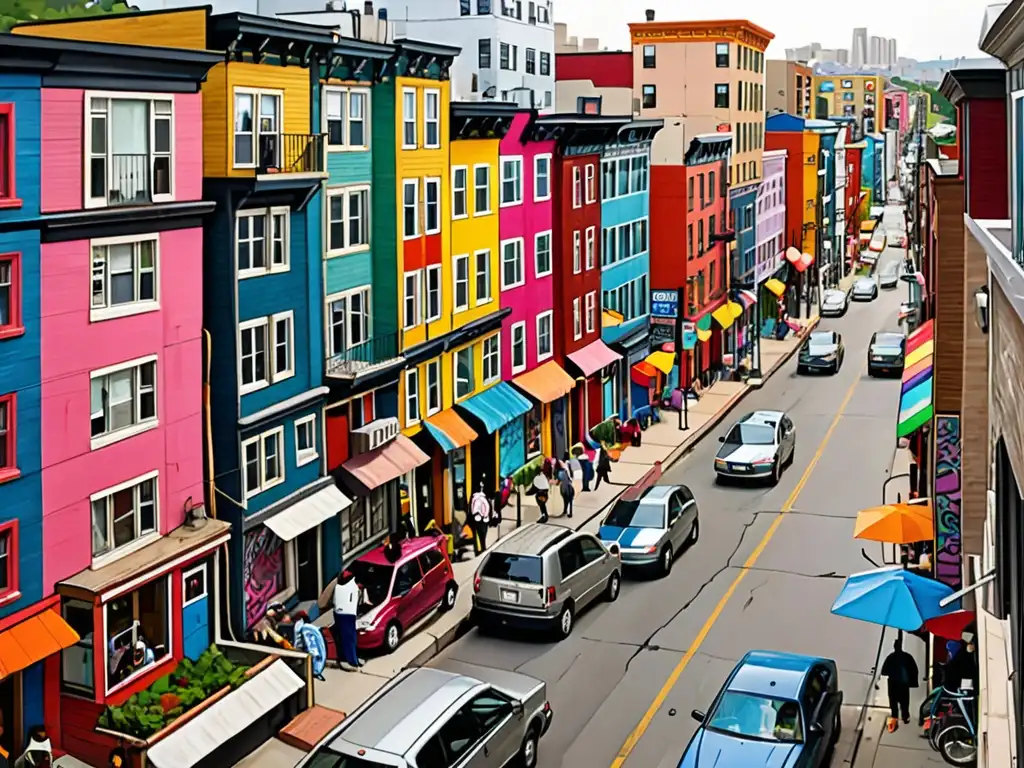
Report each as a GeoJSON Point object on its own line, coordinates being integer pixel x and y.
{"type": "Point", "coordinates": [549, 388]}
{"type": "Point", "coordinates": [445, 477]}
{"type": "Point", "coordinates": [502, 438]}
{"type": "Point", "coordinates": [625, 399]}
{"type": "Point", "coordinates": [587, 409]}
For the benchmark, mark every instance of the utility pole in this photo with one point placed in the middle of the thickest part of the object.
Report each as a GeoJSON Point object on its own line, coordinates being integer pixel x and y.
{"type": "Point", "coordinates": [684, 408]}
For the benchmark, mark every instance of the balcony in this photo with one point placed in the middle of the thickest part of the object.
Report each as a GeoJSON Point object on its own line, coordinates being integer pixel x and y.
{"type": "Point", "coordinates": [366, 357]}
{"type": "Point", "coordinates": [292, 154]}
{"type": "Point", "coordinates": [121, 179]}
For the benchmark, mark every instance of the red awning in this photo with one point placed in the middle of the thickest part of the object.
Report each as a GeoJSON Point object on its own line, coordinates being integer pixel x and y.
{"type": "Point", "coordinates": [593, 357]}
{"type": "Point", "coordinates": [708, 308]}
{"type": "Point", "coordinates": [389, 462]}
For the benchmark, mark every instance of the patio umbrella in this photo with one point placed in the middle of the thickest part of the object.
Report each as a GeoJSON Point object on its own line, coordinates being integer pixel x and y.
{"type": "Point", "coordinates": [950, 626]}
{"type": "Point", "coordinates": [892, 597]}
{"type": "Point", "coordinates": [896, 524]}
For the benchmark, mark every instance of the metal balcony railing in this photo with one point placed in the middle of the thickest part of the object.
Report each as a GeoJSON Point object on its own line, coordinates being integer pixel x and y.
{"type": "Point", "coordinates": [364, 357]}
{"type": "Point", "coordinates": [130, 180]}
{"type": "Point", "coordinates": [290, 153]}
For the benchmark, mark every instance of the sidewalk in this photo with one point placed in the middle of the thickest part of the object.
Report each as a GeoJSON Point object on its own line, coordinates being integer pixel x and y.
{"type": "Point", "coordinates": [345, 691]}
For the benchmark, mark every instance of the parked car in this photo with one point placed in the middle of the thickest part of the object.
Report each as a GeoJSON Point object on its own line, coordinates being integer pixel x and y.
{"type": "Point", "coordinates": [821, 351]}
{"type": "Point", "coordinates": [541, 576]}
{"type": "Point", "coordinates": [758, 446]}
{"type": "Point", "coordinates": [439, 717]}
{"type": "Point", "coordinates": [885, 353]}
{"type": "Point", "coordinates": [834, 303]}
{"type": "Point", "coordinates": [889, 277]}
{"type": "Point", "coordinates": [777, 709]}
{"type": "Point", "coordinates": [404, 591]}
{"type": "Point", "coordinates": [653, 527]}
{"type": "Point", "coordinates": [864, 289]}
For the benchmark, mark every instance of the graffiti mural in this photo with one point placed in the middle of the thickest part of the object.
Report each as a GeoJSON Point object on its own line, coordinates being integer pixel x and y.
{"type": "Point", "coordinates": [262, 572]}
{"type": "Point", "coordinates": [948, 554]}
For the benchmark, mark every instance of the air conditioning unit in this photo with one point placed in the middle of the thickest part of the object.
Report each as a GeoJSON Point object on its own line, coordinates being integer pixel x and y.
{"type": "Point", "coordinates": [374, 435]}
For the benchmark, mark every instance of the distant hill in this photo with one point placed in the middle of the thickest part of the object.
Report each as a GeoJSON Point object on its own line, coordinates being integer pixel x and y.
{"type": "Point", "coordinates": [16, 11]}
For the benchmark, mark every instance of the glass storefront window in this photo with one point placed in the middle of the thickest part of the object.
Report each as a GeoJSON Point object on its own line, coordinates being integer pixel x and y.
{"type": "Point", "coordinates": [457, 459]}
{"type": "Point", "coordinates": [138, 630]}
{"type": "Point", "coordinates": [534, 423]}
{"type": "Point", "coordinates": [77, 661]}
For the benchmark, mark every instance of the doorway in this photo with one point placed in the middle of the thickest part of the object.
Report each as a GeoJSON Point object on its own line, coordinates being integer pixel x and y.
{"type": "Point", "coordinates": [307, 560]}
{"type": "Point", "coordinates": [11, 726]}
{"type": "Point", "coordinates": [484, 461]}
{"type": "Point", "coordinates": [423, 482]}
{"type": "Point", "coordinates": [195, 611]}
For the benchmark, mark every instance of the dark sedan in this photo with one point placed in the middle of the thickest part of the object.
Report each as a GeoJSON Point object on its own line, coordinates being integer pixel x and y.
{"type": "Point", "coordinates": [885, 353]}
{"type": "Point", "coordinates": [823, 351]}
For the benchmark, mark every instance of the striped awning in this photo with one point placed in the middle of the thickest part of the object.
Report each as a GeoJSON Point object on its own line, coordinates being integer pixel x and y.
{"type": "Point", "coordinates": [497, 406]}
{"type": "Point", "coordinates": [916, 408]}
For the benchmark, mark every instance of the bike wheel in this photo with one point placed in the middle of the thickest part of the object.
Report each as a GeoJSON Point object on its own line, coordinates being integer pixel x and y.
{"type": "Point", "coordinates": [958, 745]}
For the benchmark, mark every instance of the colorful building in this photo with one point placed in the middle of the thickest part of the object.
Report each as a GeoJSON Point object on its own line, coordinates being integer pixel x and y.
{"type": "Point", "coordinates": [850, 96]}
{"type": "Point", "coordinates": [856, 201]}
{"type": "Point", "coordinates": [771, 234]}
{"type": "Point", "coordinates": [829, 268]}
{"type": "Point", "coordinates": [594, 82]}
{"type": "Point", "coordinates": [873, 169]}
{"type": "Point", "coordinates": [788, 87]}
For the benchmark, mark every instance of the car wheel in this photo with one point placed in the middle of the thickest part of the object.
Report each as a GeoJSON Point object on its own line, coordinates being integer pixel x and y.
{"type": "Point", "coordinates": [665, 561]}
{"type": "Point", "coordinates": [837, 728]}
{"type": "Point", "coordinates": [451, 594]}
{"type": "Point", "coordinates": [801, 370]}
{"type": "Point", "coordinates": [527, 757]}
{"type": "Point", "coordinates": [694, 532]}
{"type": "Point", "coordinates": [611, 592]}
{"type": "Point", "coordinates": [392, 637]}
{"type": "Point", "coordinates": [566, 621]}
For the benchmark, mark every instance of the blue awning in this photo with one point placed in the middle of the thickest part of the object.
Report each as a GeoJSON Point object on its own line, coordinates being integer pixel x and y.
{"type": "Point", "coordinates": [497, 406]}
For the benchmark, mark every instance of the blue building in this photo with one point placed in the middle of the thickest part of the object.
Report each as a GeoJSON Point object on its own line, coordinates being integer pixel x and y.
{"type": "Point", "coordinates": [743, 205]}
{"type": "Point", "coordinates": [872, 168]}
{"type": "Point", "coordinates": [625, 257]}
{"type": "Point", "coordinates": [827, 256]}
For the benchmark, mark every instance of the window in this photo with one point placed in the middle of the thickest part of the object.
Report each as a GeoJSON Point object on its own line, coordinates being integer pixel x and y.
{"type": "Point", "coordinates": [257, 133]}
{"type": "Point", "coordinates": [541, 178]}
{"type": "Point", "coordinates": [432, 206]}
{"type": "Point", "coordinates": [591, 177]}
{"type": "Point", "coordinates": [518, 347]}
{"type": "Point", "coordinates": [433, 371]}
{"type": "Point", "coordinates": [577, 262]}
{"type": "Point", "coordinates": [463, 361]}
{"type": "Point", "coordinates": [348, 318]}
{"type": "Point", "coordinates": [622, 177]}
{"type": "Point", "coordinates": [483, 277]}
{"type": "Point", "coordinates": [649, 57]}
{"type": "Point", "coordinates": [505, 55]}
{"type": "Point", "coordinates": [10, 295]}
{"type": "Point", "coordinates": [408, 118]}
{"type": "Point", "coordinates": [345, 118]}
{"type": "Point", "coordinates": [591, 310]}
{"type": "Point", "coordinates": [531, 61]}
{"type": "Point", "coordinates": [130, 150]}
{"type": "Point", "coordinates": [7, 157]}
{"type": "Point", "coordinates": [711, 228]}
{"type": "Point", "coordinates": [410, 208]}
{"type": "Point", "coordinates": [481, 190]}
{"type": "Point", "coordinates": [262, 462]}
{"type": "Point", "coordinates": [256, 337]}
{"type": "Point", "coordinates": [545, 64]}
{"type": "Point", "coordinates": [432, 119]}
{"type": "Point", "coordinates": [124, 278]}
{"type": "Point", "coordinates": [711, 187]}
{"type": "Point", "coordinates": [8, 435]}
{"type": "Point", "coordinates": [464, 7]}
{"type": "Point", "coordinates": [512, 272]}
{"type": "Point", "coordinates": [591, 245]}
{"type": "Point", "coordinates": [689, 193]}
{"type": "Point", "coordinates": [544, 325]}
{"type": "Point", "coordinates": [689, 240]}
{"type": "Point", "coordinates": [650, 97]}
{"type": "Point", "coordinates": [412, 396]}
{"type": "Point", "coordinates": [700, 237]}
{"type": "Point", "coordinates": [411, 309]}
{"type": "Point", "coordinates": [253, 229]}
{"type": "Point", "coordinates": [8, 561]}
{"type": "Point", "coordinates": [511, 181]}
{"type": "Point", "coordinates": [141, 615]}
{"type": "Point", "coordinates": [460, 175]}
{"type": "Point", "coordinates": [721, 95]}
{"type": "Point", "coordinates": [124, 514]}
{"type": "Point", "coordinates": [460, 276]}
{"type": "Point", "coordinates": [492, 358]}
{"type": "Point", "coordinates": [483, 53]}
{"type": "Point", "coordinates": [608, 168]}
{"type": "Point", "coordinates": [348, 219]}
{"type": "Point", "coordinates": [703, 192]}
{"type": "Point", "coordinates": [542, 254]}
{"type": "Point", "coordinates": [122, 401]}
{"type": "Point", "coordinates": [577, 188]}
{"type": "Point", "coordinates": [577, 319]}
{"type": "Point", "coordinates": [721, 54]}
{"type": "Point", "coordinates": [305, 440]}
{"type": "Point", "coordinates": [433, 293]}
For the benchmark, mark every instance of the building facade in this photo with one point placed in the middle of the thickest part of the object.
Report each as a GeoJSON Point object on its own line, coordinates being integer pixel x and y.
{"type": "Point", "coordinates": [788, 87]}
{"type": "Point", "coordinates": [595, 82]}
{"type": "Point", "coordinates": [771, 232]}
{"type": "Point", "coordinates": [827, 254]}
{"type": "Point", "coordinates": [850, 96]}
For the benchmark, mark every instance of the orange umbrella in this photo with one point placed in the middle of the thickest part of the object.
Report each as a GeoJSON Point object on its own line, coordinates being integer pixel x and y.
{"type": "Point", "coordinates": [896, 524]}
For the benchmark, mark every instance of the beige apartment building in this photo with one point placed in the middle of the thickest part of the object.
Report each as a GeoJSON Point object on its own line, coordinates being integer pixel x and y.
{"type": "Point", "coordinates": [788, 88]}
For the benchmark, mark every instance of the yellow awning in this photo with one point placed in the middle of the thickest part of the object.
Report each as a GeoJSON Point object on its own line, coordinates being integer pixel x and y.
{"type": "Point", "coordinates": [703, 335]}
{"type": "Point", "coordinates": [724, 316]}
{"type": "Point", "coordinates": [610, 318]}
{"type": "Point", "coordinates": [663, 361]}
{"type": "Point", "coordinates": [775, 286]}
{"type": "Point", "coordinates": [868, 226]}
{"type": "Point", "coordinates": [736, 309]}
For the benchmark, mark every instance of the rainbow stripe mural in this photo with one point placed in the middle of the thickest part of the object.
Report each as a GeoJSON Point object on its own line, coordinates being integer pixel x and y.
{"type": "Point", "coordinates": [916, 407]}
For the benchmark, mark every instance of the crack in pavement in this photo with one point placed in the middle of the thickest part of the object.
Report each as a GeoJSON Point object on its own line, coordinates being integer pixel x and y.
{"type": "Point", "coordinates": [755, 568]}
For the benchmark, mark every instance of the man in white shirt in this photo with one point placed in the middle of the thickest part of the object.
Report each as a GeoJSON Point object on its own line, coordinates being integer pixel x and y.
{"type": "Point", "coordinates": [347, 597]}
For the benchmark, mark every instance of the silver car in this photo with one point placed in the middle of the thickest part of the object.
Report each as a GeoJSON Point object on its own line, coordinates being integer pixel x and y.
{"type": "Point", "coordinates": [652, 526]}
{"type": "Point", "coordinates": [889, 277]}
{"type": "Point", "coordinates": [865, 289]}
{"type": "Point", "coordinates": [758, 446]}
{"type": "Point", "coordinates": [834, 303]}
{"type": "Point", "coordinates": [473, 716]}
{"type": "Point", "coordinates": [541, 576]}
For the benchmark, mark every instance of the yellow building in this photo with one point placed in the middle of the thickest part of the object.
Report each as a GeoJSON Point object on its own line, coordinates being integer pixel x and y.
{"type": "Point", "coordinates": [860, 96]}
{"type": "Point", "coordinates": [811, 182]}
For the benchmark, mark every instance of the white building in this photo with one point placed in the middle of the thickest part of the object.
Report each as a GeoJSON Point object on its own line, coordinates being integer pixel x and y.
{"type": "Point", "coordinates": [859, 49]}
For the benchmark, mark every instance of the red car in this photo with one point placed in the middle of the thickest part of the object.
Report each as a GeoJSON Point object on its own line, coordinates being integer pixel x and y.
{"type": "Point", "coordinates": [404, 591]}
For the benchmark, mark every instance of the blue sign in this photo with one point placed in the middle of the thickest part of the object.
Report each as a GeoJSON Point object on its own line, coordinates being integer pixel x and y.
{"type": "Point", "coordinates": [827, 86]}
{"type": "Point", "coordinates": [664, 303]}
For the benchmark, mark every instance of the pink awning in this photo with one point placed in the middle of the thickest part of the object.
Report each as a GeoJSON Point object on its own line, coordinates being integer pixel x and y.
{"type": "Point", "coordinates": [593, 357]}
{"type": "Point", "coordinates": [389, 462]}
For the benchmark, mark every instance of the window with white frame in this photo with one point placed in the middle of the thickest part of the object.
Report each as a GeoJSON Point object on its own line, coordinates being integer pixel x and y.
{"type": "Point", "coordinates": [257, 133]}
{"type": "Point", "coordinates": [124, 514]}
{"type": "Point", "coordinates": [483, 277]}
{"type": "Point", "coordinates": [305, 440]}
{"type": "Point", "coordinates": [591, 311]}
{"type": "Point", "coordinates": [577, 319]}
{"type": "Point", "coordinates": [460, 201]}
{"type": "Point", "coordinates": [591, 176]}
{"type": "Point", "coordinates": [431, 119]}
{"type": "Point", "coordinates": [433, 372]}
{"type": "Point", "coordinates": [348, 219]}
{"type": "Point", "coordinates": [541, 178]}
{"type": "Point", "coordinates": [432, 206]}
{"type": "Point", "coordinates": [345, 117]}
{"type": "Point", "coordinates": [464, 379]}
{"type": "Point", "coordinates": [577, 256]}
{"type": "Point", "coordinates": [410, 208]}
{"type": "Point", "coordinates": [122, 400]}
{"type": "Point", "coordinates": [412, 396]}
{"type": "Point", "coordinates": [124, 276]}
{"type": "Point", "coordinates": [545, 321]}
{"type": "Point", "coordinates": [262, 462]}
{"type": "Point", "coordinates": [348, 318]}
{"type": "Point", "coordinates": [261, 241]}
{"type": "Point", "coordinates": [412, 312]}
{"type": "Point", "coordinates": [141, 615]}
{"type": "Point", "coordinates": [273, 335]}
{"type": "Point", "coordinates": [591, 245]}
{"type": "Point", "coordinates": [518, 346]}
{"type": "Point", "coordinates": [577, 188]}
{"type": "Point", "coordinates": [481, 189]}
{"type": "Point", "coordinates": [365, 520]}
{"type": "Point", "coordinates": [492, 358]}
{"type": "Point", "coordinates": [460, 278]}
{"type": "Point", "coordinates": [130, 147]}
{"type": "Point", "coordinates": [511, 181]}
{"type": "Point", "coordinates": [433, 293]}
{"type": "Point", "coordinates": [542, 253]}
{"type": "Point", "coordinates": [408, 118]}
{"type": "Point", "coordinates": [512, 263]}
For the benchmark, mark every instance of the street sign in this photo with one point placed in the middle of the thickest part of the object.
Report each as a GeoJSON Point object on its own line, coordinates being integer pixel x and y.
{"type": "Point", "coordinates": [689, 334]}
{"type": "Point", "coordinates": [664, 303]}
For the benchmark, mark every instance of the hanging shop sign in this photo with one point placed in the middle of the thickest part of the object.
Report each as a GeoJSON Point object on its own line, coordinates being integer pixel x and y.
{"type": "Point", "coordinates": [663, 330]}
{"type": "Point", "coordinates": [665, 303]}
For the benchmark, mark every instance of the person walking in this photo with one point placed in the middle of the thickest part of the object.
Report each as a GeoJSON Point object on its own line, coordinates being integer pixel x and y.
{"type": "Point", "coordinates": [900, 669]}
{"type": "Point", "coordinates": [539, 490]}
{"type": "Point", "coordinates": [480, 515]}
{"type": "Point", "coordinates": [604, 468]}
{"type": "Point", "coordinates": [348, 596]}
{"type": "Point", "coordinates": [565, 486]}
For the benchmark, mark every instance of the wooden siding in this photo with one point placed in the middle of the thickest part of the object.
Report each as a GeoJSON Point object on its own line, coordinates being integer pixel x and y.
{"type": "Point", "coordinates": [62, 136]}
{"type": "Point", "coordinates": [178, 29]}
{"type": "Point", "coordinates": [948, 289]}
{"type": "Point", "coordinates": [216, 139]}
{"type": "Point", "coordinates": [985, 160]}
{"type": "Point", "coordinates": [385, 210]}
{"type": "Point", "coordinates": [1007, 404]}
{"type": "Point", "coordinates": [476, 233]}
{"type": "Point", "coordinates": [24, 94]}
{"type": "Point", "coordinates": [344, 168]}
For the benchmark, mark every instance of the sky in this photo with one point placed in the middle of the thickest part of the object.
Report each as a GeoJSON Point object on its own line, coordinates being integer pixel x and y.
{"type": "Point", "coordinates": [924, 29]}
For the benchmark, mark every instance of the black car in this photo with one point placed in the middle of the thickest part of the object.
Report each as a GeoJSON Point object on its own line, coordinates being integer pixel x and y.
{"type": "Point", "coordinates": [885, 353]}
{"type": "Point", "coordinates": [822, 351]}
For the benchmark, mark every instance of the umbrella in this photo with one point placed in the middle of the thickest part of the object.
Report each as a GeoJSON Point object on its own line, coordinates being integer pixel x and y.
{"type": "Point", "coordinates": [892, 597]}
{"type": "Point", "coordinates": [950, 626]}
{"type": "Point", "coordinates": [895, 524]}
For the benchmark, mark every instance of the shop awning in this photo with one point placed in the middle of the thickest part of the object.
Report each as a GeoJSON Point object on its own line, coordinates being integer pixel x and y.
{"type": "Point", "coordinates": [33, 640]}
{"type": "Point", "coordinates": [389, 462]}
{"type": "Point", "coordinates": [593, 357]}
{"type": "Point", "coordinates": [916, 407]}
{"type": "Point", "coordinates": [610, 318]}
{"type": "Point", "coordinates": [724, 315]}
{"type": "Point", "coordinates": [775, 286]}
{"type": "Point", "coordinates": [497, 406]}
{"type": "Point", "coordinates": [546, 383]}
{"type": "Point", "coordinates": [641, 373]}
{"type": "Point", "coordinates": [226, 718]}
{"type": "Point", "coordinates": [746, 298]}
{"type": "Point", "coordinates": [663, 361]}
{"type": "Point", "coordinates": [306, 514]}
{"type": "Point", "coordinates": [449, 430]}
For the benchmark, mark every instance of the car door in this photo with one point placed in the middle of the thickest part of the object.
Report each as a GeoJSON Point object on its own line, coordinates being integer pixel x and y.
{"type": "Point", "coordinates": [502, 728]}
{"type": "Point", "coordinates": [839, 347]}
{"type": "Point", "coordinates": [788, 435]}
{"type": "Point", "coordinates": [811, 700]}
{"type": "Point", "coordinates": [595, 569]}
{"type": "Point", "coordinates": [434, 577]}
{"type": "Point", "coordinates": [689, 518]}
{"type": "Point", "coordinates": [570, 561]}
{"type": "Point", "coordinates": [458, 743]}
{"type": "Point", "coordinates": [408, 589]}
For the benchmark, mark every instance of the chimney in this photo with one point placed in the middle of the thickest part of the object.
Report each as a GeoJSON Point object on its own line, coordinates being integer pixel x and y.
{"type": "Point", "coordinates": [649, 13]}
{"type": "Point", "coordinates": [368, 8]}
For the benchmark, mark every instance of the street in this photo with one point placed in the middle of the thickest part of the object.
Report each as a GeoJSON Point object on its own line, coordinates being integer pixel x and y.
{"type": "Point", "coordinates": [769, 563]}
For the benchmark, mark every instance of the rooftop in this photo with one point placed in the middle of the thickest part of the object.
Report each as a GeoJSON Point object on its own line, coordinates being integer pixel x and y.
{"type": "Point", "coordinates": [738, 30]}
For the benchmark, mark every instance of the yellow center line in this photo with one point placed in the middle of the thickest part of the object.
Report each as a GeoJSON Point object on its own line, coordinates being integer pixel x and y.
{"type": "Point", "coordinates": [645, 721]}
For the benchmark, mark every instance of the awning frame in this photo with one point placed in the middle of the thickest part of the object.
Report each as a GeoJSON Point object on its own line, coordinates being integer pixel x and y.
{"type": "Point", "coordinates": [319, 506]}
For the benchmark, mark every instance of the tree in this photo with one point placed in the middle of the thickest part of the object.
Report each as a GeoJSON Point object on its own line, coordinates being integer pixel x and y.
{"type": "Point", "coordinates": [14, 12]}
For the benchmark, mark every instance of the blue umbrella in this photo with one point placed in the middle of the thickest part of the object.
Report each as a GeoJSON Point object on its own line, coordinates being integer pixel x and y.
{"type": "Point", "coordinates": [893, 597]}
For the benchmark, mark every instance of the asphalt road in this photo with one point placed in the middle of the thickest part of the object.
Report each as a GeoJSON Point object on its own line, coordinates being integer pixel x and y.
{"type": "Point", "coordinates": [623, 685]}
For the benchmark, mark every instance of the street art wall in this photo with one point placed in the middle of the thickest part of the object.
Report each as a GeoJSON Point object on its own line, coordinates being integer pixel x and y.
{"type": "Point", "coordinates": [948, 552]}
{"type": "Point", "coordinates": [262, 572]}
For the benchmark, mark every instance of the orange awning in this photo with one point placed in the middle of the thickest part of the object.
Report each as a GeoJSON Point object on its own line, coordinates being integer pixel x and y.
{"type": "Point", "coordinates": [546, 383]}
{"type": "Point", "coordinates": [450, 431]}
{"type": "Point", "coordinates": [32, 640]}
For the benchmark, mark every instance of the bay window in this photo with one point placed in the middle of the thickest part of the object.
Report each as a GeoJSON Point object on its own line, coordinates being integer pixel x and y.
{"type": "Point", "coordinates": [124, 514]}
{"type": "Point", "coordinates": [142, 615]}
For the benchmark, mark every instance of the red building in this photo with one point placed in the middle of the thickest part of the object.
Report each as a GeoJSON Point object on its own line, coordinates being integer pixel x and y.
{"type": "Point", "coordinates": [854, 196]}
{"type": "Point", "coordinates": [577, 278]}
{"type": "Point", "coordinates": [793, 143]}
{"type": "Point", "coordinates": [594, 82]}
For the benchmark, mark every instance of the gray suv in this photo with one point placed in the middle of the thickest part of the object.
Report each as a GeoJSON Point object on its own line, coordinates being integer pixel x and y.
{"type": "Point", "coordinates": [465, 715]}
{"type": "Point", "coordinates": [541, 576]}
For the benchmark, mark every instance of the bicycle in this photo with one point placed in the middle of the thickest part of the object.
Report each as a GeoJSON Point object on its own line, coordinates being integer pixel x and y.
{"type": "Point", "coordinates": [958, 742]}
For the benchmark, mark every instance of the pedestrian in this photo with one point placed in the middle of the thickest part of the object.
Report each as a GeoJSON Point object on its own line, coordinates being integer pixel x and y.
{"type": "Point", "coordinates": [565, 486]}
{"type": "Point", "coordinates": [38, 753]}
{"type": "Point", "coordinates": [539, 490]}
{"type": "Point", "coordinates": [604, 468]}
{"type": "Point", "coordinates": [900, 669]}
{"type": "Point", "coordinates": [480, 515]}
{"type": "Point", "coordinates": [348, 596]}
{"type": "Point", "coordinates": [586, 468]}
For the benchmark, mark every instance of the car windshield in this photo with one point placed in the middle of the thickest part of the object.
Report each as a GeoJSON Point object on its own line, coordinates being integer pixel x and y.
{"type": "Point", "coordinates": [637, 514]}
{"type": "Point", "coordinates": [374, 578]}
{"type": "Point", "coordinates": [888, 340]}
{"type": "Point", "coordinates": [865, 284]}
{"type": "Point", "coordinates": [327, 758]}
{"type": "Point", "coordinates": [891, 269]}
{"type": "Point", "coordinates": [524, 569]}
{"type": "Point", "coordinates": [834, 297]}
{"type": "Point", "coordinates": [757, 717]}
{"type": "Point", "coordinates": [751, 434]}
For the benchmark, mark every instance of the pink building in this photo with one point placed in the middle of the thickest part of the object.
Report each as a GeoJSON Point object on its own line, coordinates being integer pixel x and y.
{"type": "Point", "coordinates": [771, 221]}
{"type": "Point", "coordinates": [897, 109]}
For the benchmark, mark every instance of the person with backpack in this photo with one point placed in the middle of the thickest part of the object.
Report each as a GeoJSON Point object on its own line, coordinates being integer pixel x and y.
{"type": "Point", "coordinates": [480, 515]}
{"type": "Point", "coordinates": [565, 486]}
